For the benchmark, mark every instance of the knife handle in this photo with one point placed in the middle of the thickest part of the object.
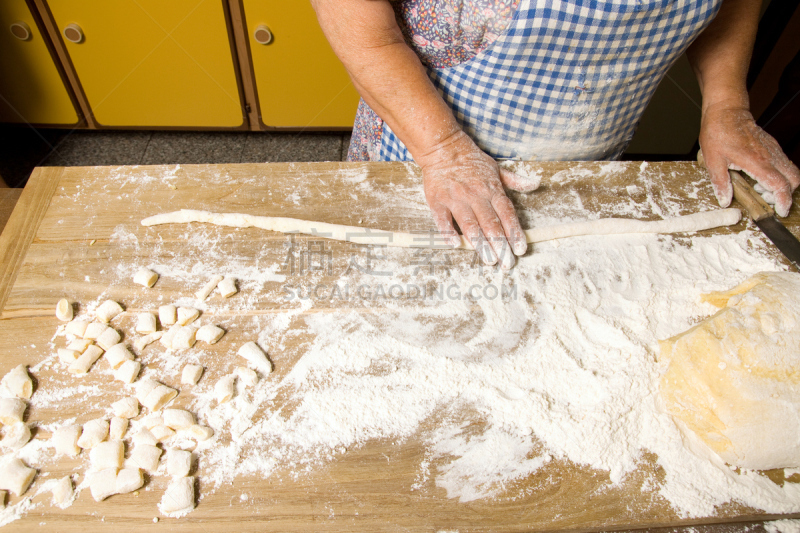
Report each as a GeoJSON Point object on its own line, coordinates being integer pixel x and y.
{"type": "Point", "coordinates": [756, 207]}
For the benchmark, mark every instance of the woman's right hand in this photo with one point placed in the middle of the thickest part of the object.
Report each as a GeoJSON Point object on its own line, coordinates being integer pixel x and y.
{"type": "Point", "coordinates": [464, 184]}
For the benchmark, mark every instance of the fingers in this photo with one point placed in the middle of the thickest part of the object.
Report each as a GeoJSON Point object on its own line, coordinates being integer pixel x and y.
{"type": "Point", "coordinates": [511, 226]}
{"type": "Point", "coordinates": [720, 179]}
{"type": "Point", "coordinates": [444, 222]}
{"type": "Point", "coordinates": [493, 230]}
{"type": "Point", "coordinates": [515, 182]}
{"type": "Point", "coordinates": [471, 228]}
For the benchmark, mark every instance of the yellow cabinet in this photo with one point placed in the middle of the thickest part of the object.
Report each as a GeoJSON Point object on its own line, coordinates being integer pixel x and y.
{"type": "Point", "coordinates": [153, 63]}
{"type": "Point", "coordinates": [299, 81]}
{"type": "Point", "coordinates": [31, 88]}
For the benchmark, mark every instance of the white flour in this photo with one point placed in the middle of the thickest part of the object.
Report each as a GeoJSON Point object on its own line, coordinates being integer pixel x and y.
{"type": "Point", "coordinates": [562, 371]}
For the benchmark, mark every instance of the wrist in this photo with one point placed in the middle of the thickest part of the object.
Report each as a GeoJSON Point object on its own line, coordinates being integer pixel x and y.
{"type": "Point", "coordinates": [448, 150]}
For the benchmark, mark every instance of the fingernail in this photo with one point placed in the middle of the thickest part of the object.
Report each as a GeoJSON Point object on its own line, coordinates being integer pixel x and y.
{"type": "Point", "coordinates": [507, 258]}
{"type": "Point", "coordinates": [487, 254]}
{"type": "Point", "coordinates": [520, 247]}
{"type": "Point", "coordinates": [455, 241]}
{"type": "Point", "coordinates": [782, 209]}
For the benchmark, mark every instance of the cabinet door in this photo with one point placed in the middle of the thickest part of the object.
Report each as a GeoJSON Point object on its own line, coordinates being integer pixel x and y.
{"type": "Point", "coordinates": [153, 62]}
{"type": "Point", "coordinates": [31, 88]}
{"type": "Point", "coordinates": [299, 81]}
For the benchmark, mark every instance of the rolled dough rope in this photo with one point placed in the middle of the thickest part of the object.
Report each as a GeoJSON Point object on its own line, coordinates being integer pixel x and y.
{"type": "Point", "coordinates": [354, 234]}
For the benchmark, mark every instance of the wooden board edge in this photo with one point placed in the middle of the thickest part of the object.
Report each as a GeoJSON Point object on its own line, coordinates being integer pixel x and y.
{"type": "Point", "coordinates": [23, 224]}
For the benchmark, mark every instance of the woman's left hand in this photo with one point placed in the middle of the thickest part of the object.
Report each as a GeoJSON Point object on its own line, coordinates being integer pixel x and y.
{"type": "Point", "coordinates": [730, 139]}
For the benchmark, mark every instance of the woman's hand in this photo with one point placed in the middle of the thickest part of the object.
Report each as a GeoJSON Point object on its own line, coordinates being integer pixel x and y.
{"type": "Point", "coordinates": [730, 139]}
{"type": "Point", "coordinates": [464, 183]}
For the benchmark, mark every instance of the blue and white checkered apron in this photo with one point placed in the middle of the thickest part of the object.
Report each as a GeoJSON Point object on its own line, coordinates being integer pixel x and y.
{"type": "Point", "coordinates": [568, 80]}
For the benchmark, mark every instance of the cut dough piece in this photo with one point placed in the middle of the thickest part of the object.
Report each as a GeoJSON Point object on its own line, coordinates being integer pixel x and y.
{"type": "Point", "coordinates": [103, 483]}
{"type": "Point", "coordinates": [184, 338]}
{"type": "Point", "coordinates": [128, 371]}
{"type": "Point", "coordinates": [253, 353]}
{"type": "Point", "coordinates": [201, 432]}
{"type": "Point", "coordinates": [167, 315]}
{"type": "Point", "coordinates": [18, 382]}
{"type": "Point", "coordinates": [118, 354]}
{"type": "Point", "coordinates": [203, 293]}
{"type": "Point", "coordinates": [169, 335]}
{"type": "Point", "coordinates": [187, 315]}
{"type": "Point", "coordinates": [117, 428]}
{"type": "Point", "coordinates": [68, 356]}
{"type": "Point", "coordinates": [191, 374]}
{"type": "Point", "coordinates": [225, 388]}
{"type": "Point", "coordinates": [128, 480]}
{"type": "Point", "coordinates": [15, 436]}
{"type": "Point", "coordinates": [179, 462]}
{"type": "Point", "coordinates": [107, 454]}
{"type": "Point", "coordinates": [79, 345]}
{"type": "Point", "coordinates": [15, 476]}
{"type": "Point", "coordinates": [248, 376]}
{"type": "Point", "coordinates": [153, 420]}
{"type": "Point", "coordinates": [159, 397]}
{"type": "Point", "coordinates": [11, 410]}
{"type": "Point", "coordinates": [354, 234]}
{"type": "Point", "coordinates": [145, 457]}
{"type": "Point", "coordinates": [145, 277]}
{"type": "Point", "coordinates": [64, 310]}
{"type": "Point", "coordinates": [210, 334]}
{"type": "Point", "coordinates": [146, 323]}
{"type": "Point", "coordinates": [178, 418]}
{"type": "Point", "coordinates": [126, 407]}
{"type": "Point", "coordinates": [144, 386]}
{"type": "Point", "coordinates": [77, 327]}
{"type": "Point", "coordinates": [108, 338]}
{"type": "Point", "coordinates": [65, 440]}
{"type": "Point", "coordinates": [142, 342]}
{"type": "Point", "coordinates": [94, 330]}
{"type": "Point", "coordinates": [63, 492]}
{"type": "Point", "coordinates": [178, 499]}
{"type": "Point", "coordinates": [94, 432]}
{"type": "Point", "coordinates": [145, 436]}
{"type": "Point", "coordinates": [733, 380]}
{"type": "Point", "coordinates": [162, 433]}
{"type": "Point", "coordinates": [86, 360]}
{"type": "Point", "coordinates": [108, 310]}
{"type": "Point", "coordinates": [227, 287]}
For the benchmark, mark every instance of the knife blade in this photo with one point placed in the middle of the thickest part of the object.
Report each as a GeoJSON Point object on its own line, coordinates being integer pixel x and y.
{"type": "Point", "coordinates": [764, 217]}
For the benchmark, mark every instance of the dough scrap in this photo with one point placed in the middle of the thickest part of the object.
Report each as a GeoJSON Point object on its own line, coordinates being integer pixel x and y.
{"type": "Point", "coordinates": [63, 492]}
{"type": "Point", "coordinates": [227, 287]}
{"type": "Point", "coordinates": [19, 382]}
{"type": "Point", "coordinates": [65, 440]}
{"type": "Point", "coordinates": [225, 388]}
{"type": "Point", "coordinates": [64, 310]}
{"type": "Point", "coordinates": [733, 380]}
{"type": "Point", "coordinates": [256, 356]}
{"type": "Point", "coordinates": [146, 323]}
{"type": "Point", "coordinates": [142, 342]}
{"type": "Point", "coordinates": [126, 407]}
{"type": "Point", "coordinates": [11, 410]}
{"type": "Point", "coordinates": [191, 374]}
{"type": "Point", "coordinates": [208, 288]}
{"type": "Point", "coordinates": [103, 483]}
{"type": "Point", "coordinates": [128, 480]}
{"type": "Point", "coordinates": [145, 277]}
{"type": "Point", "coordinates": [178, 499]}
{"type": "Point", "coordinates": [108, 310]}
{"type": "Point", "coordinates": [354, 234]}
{"type": "Point", "coordinates": [210, 334]}
{"type": "Point", "coordinates": [15, 476]}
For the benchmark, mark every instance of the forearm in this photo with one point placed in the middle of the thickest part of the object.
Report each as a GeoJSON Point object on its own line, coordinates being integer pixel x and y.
{"type": "Point", "coordinates": [386, 72]}
{"type": "Point", "coordinates": [720, 56]}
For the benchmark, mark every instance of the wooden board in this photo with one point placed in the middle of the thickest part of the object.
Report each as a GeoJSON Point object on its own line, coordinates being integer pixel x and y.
{"type": "Point", "coordinates": [74, 227]}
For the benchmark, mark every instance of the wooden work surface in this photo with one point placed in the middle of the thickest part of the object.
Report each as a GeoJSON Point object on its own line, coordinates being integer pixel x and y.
{"type": "Point", "coordinates": [73, 228]}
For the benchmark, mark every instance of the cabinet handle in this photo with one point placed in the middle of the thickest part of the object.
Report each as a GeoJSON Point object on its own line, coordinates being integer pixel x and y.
{"type": "Point", "coordinates": [73, 33]}
{"type": "Point", "coordinates": [21, 31]}
{"type": "Point", "coordinates": [262, 35]}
